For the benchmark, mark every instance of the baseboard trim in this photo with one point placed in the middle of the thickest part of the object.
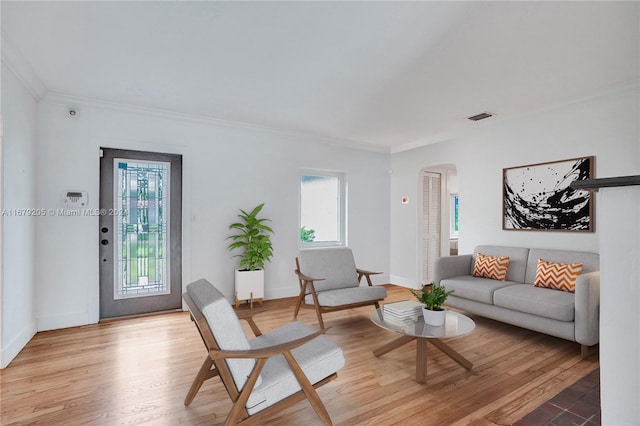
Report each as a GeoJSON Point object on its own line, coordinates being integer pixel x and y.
{"type": "Point", "coordinates": [281, 293]}
{"type": "Point", "coordinates": [55, 322]}
{"type": "Point", "coordinates": [403, 282]}
{"type": "Point", "coordinates": [10, 351]}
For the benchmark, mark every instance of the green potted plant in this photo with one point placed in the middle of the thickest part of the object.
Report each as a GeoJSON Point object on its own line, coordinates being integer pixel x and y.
{"type": "Point", "coordinates": [432, 297]}
{"type": "Point", "coordinates": [253, 237]}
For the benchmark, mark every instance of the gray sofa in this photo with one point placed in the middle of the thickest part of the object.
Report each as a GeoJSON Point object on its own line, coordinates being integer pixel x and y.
{"type": "Point", "coordinates": [570, 316]}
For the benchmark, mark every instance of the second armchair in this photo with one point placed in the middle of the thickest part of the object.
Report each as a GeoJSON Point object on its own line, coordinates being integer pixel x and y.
{"type": "Point", "coordinates": [330, 281]}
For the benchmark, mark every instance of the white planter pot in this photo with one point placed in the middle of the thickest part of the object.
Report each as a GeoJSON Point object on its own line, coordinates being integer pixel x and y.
{"type": "Point", "coordinates": [434, 318]}
{"type": "Point", "coordinates": [249, 285]}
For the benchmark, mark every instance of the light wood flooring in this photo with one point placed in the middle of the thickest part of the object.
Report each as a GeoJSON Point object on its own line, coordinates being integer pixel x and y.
{"type": "Point", "coordinates": [138, 370]}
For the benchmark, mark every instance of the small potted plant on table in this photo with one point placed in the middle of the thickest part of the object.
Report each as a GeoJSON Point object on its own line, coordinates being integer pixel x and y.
{"type": "Point", "coordinates": [432, 297]}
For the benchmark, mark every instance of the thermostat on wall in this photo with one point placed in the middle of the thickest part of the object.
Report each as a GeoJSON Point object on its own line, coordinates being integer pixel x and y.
{"type": "Point", "coordinates": [76, 199]}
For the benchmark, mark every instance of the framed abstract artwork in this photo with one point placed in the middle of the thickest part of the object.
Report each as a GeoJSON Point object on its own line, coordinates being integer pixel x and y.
{"type": "Point", "coordinates": [538, 197]}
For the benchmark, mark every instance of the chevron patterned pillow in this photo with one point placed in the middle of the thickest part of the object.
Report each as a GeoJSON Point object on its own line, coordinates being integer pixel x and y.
{"type": "Point", "coordinates": [559, 276]}
{"type": "Point", "coordinates": [491, 267]}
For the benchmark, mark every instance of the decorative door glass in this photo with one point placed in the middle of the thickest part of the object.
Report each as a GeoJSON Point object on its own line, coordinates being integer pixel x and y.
{"type": "Point", "coordinates": [141, 221]}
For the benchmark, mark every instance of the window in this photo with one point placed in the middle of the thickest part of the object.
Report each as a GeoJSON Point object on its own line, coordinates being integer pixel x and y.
{"type": "Point", "coordinates": [322, 209]}
{"type": "Point", "coordinates": [455, 202]}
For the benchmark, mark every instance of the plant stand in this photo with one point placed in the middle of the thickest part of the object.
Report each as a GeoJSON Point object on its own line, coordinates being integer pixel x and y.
{"type": "Point", "coordinates": [249, 286]}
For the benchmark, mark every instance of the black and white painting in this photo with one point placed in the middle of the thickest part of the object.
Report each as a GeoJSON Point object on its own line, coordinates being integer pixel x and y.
{"type": "Point", "coordinates": [539, 196]}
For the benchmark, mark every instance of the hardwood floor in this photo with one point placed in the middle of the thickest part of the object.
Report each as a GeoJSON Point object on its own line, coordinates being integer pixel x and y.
{"type": "Point", "coordinates": [138, 370]}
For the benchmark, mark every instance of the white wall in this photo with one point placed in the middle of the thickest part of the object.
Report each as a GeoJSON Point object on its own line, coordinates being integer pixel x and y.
{"type": "Point", "coordinates": [605, 126]}
{"type": "Point", "coordinates": [224, 168]}
{"type": "Point", "coordinates": [19, 117]}
{"type": "Point", "coordinates": [620, 305]}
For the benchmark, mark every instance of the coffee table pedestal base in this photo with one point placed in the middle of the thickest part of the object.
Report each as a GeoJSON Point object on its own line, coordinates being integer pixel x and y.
{"type": "Point", "coordinates": [421, 353]}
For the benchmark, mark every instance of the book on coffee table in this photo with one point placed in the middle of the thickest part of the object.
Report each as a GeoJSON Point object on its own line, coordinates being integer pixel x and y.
{"type": "Point", "coordinates": [403, 307]}
{"type": "Point", "coordinates": [399, 312]}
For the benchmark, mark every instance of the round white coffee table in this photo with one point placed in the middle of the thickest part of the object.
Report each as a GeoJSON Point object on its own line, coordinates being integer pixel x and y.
{"type": "Point", "coordinates": [455, 325]}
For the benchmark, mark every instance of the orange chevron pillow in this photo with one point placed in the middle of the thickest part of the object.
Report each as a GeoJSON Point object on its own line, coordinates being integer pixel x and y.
{"type": "Point", "coordinates": [491, 267]}
{"type": "Point", "coordinates": [559, 276]}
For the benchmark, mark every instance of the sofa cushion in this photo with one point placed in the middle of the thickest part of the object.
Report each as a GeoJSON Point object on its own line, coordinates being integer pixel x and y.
{"type": "Point", "coordinates": [318, 359]}
{"type": "Point", "coordinates": [334, 265]}
{"type": "Point", "coordinates": [474, 288]}
{"type": "Point", "coordinates": [346, 296]}
{"type": "Point", "coordinates": [590, 261]}
{"type": "Point", "coordinates": [558, 305]}
{"type": "Point", "coordinates": [493, 267]}
{"type": "Point", "coordinates": [558, 276]}
{"type": "Point", "coordinates": [518, 257]}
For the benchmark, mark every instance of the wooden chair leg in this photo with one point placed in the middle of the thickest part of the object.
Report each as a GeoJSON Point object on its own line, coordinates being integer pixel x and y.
{"type": "Point", "coordinates": [319, 314]}
{"type": "Point", "coordinates": [207, 371]}
{"type": "Point", "coordinates": [308, 389]}
{"type": "Point", "coordinates": [298, 303]}
{"type": "Point", "coordinates": [303, 289]}
{"type": "Point", "coordinates": [254, 327]}
{"type": "Point", "coordinates": [316, 305]}
{"type": "Point", "coordinates": [369, 283]}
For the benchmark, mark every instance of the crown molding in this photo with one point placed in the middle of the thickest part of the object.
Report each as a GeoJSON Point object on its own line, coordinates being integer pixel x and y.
{"type": "Point", "coordinates": [73, 100]}
{"type": "Point", "coordinates": [21, 68]}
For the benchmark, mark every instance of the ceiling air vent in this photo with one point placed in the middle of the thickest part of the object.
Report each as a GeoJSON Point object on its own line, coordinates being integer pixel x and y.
{"type": "Point", "coordinates": [480, 116]}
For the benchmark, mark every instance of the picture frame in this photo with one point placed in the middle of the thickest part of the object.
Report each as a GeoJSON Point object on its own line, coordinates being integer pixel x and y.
{"type": "Point", "coordinates": [538, 197]}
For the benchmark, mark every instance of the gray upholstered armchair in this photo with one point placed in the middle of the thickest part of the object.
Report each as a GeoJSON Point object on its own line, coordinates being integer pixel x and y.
{"type": "Point", "coordinates": [268, 373]}
{"type": "Point", "coordinates": [330, 281]}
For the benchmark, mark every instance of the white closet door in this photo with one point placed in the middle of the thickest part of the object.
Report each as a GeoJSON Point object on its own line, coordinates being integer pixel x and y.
{"type": "Point", "coordinates": [431, 231]}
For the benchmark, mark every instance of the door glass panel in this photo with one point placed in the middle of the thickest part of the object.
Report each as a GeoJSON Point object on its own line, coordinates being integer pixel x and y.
{"type": "Point", "coordinates": [141, 220]}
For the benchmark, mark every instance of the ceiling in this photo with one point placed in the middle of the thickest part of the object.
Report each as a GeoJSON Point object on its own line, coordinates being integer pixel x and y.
{"type": "Point", "coordinates": [387, 75]}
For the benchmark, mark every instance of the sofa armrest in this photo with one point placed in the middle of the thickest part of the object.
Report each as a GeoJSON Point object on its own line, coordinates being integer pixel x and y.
{"type": "Point", "coordinates": [587, 308]}
{"type": "Point", "coordinates": [451, 266]}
